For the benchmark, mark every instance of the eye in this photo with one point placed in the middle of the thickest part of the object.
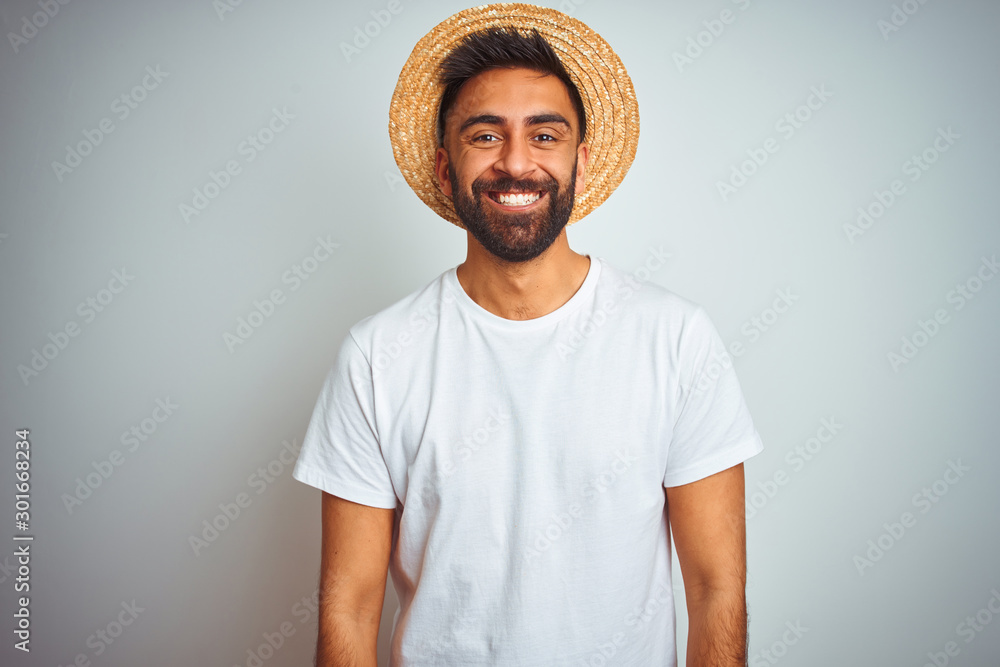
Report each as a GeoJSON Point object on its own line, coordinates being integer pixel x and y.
{"type": "Point", "coordinates": [483, 136]}
{"type": "Point", "coordinates": [546, 135]}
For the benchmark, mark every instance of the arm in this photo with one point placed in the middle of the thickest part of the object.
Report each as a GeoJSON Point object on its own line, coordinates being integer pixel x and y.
{"type": "Point", "coordinates": [708, 522]}
{"type": "Point", "coordinates": [357, 540]}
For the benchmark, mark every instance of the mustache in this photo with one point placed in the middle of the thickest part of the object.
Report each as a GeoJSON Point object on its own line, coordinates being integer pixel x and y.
{"type": "Point", "coordinates": [510, 185]}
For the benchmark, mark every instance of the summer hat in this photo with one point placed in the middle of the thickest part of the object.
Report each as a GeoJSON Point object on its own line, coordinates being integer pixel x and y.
{"type": "Point", "coordinates": [612, 114]}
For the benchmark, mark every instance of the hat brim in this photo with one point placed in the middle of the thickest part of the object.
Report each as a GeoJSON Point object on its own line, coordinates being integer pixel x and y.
{"type": "Point", "coordinates": [608, 97]}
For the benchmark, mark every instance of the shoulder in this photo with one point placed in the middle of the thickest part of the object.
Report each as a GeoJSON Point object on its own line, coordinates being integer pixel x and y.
{"type": "Point", "coordinates": [402, 318]}
{"type": "Point", "coordinates": [637, 292]}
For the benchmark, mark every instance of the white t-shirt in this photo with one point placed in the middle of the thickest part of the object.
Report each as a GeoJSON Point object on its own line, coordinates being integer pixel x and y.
{"type": "Point", "coordinates": [527, 461]}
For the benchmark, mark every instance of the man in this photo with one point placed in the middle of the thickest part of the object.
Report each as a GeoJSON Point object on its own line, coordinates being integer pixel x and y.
{"type": "Point", "coordinates": [516, 440]}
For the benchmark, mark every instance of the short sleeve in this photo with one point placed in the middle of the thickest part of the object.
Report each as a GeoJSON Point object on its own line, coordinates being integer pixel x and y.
{"type": "Point", "coordinates": [340, 451]}
{"type": "Point", "coordinates": [712, 428]}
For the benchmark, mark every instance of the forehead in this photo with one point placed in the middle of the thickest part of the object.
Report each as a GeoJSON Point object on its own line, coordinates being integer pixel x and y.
{"type": "Point", "coordinates": [512, 93]}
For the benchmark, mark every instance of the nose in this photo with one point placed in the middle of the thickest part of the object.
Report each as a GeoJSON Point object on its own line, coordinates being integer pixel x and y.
{"type": "Point", "coordinates": [515, 159]}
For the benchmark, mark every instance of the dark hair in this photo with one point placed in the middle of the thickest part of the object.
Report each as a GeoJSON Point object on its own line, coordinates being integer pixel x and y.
{"type": "Point", "coordinates": [496, 47]}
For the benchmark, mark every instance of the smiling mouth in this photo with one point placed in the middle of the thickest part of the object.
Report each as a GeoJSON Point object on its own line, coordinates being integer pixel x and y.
{"type": "Point", "coordinates": [516, 199]}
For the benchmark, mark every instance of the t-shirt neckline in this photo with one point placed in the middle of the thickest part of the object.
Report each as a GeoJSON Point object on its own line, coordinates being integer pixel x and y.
{"type": "Point", "coordinates": [468, 305]}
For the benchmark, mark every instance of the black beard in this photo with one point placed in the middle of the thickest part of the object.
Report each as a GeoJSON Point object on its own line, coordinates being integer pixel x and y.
{"type": "Point", "coordinates": [514, 237]}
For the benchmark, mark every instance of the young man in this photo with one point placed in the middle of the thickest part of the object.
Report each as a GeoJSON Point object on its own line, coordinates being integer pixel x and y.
{"type": "Point", "coordinates": [516, 441]}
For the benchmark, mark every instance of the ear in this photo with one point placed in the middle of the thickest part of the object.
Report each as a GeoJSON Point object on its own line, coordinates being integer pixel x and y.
{"type": "Point", "coordinates": [441, 171]}
{"type": "Point", "coordinates": [582, 154]}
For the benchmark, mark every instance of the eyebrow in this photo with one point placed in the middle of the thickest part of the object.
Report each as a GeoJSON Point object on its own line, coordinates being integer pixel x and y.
{"type": "Point", "coordinates": [492, 119]}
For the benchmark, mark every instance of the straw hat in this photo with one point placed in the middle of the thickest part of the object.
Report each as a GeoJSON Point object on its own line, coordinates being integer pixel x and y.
{"type": "Point", "coordinates": [608, 98]}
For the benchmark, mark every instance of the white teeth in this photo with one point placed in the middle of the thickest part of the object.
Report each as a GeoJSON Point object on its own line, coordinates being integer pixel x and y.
{"type": "Point", "coordinates": [518, 199]}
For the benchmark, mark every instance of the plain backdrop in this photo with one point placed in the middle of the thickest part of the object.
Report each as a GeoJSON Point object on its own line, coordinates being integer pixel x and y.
{"type": "Point", "coordinates": [837, 162]}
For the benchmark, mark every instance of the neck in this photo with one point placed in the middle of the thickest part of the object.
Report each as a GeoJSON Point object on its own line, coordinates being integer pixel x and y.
{"type": "Point", "coordinates": [523, 290]}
